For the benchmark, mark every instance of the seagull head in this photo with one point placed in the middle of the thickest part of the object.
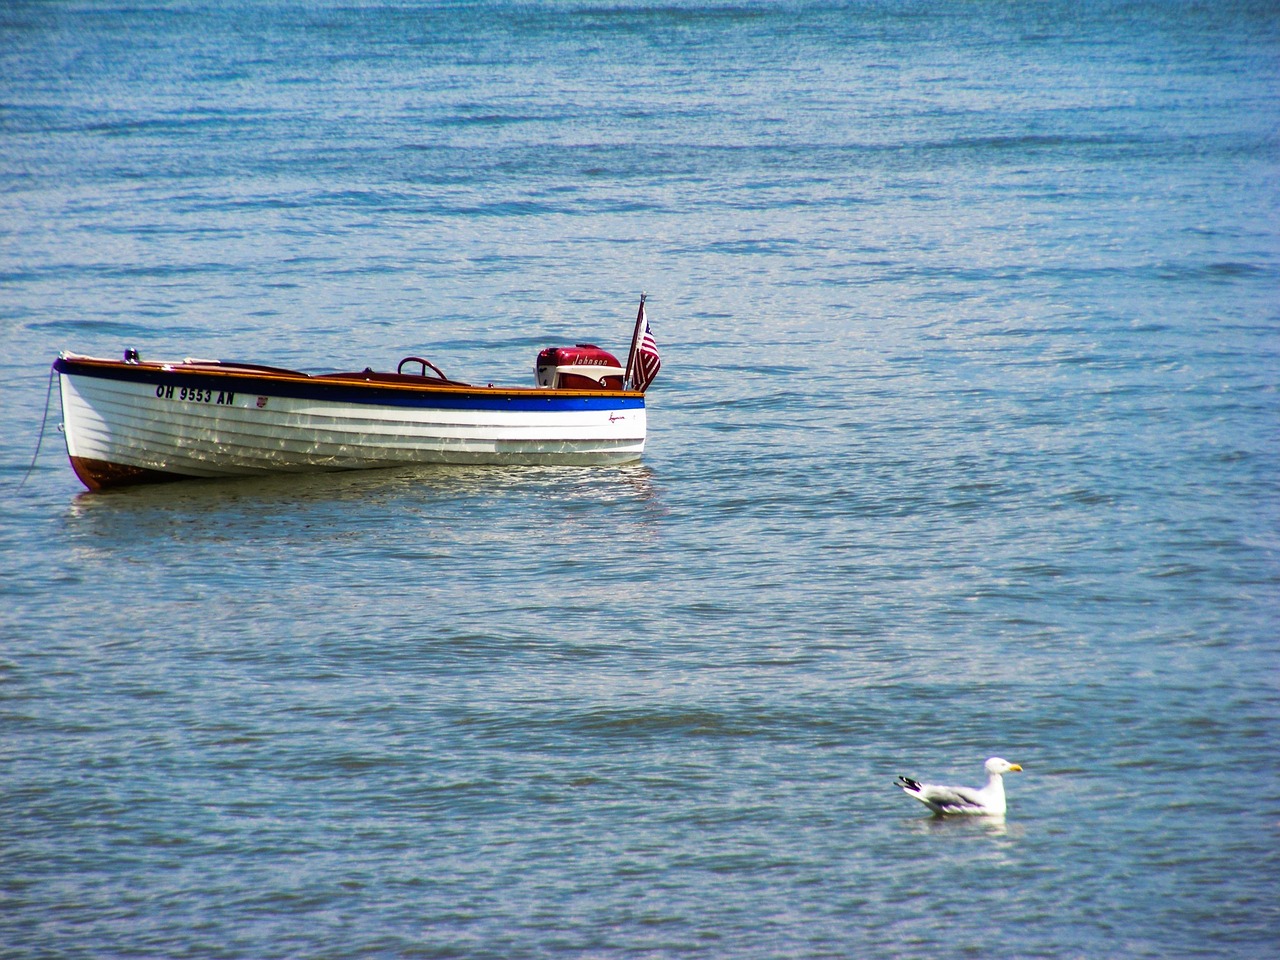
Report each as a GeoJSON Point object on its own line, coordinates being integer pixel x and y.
{"type": "Point", "coordinates": [998, 765]}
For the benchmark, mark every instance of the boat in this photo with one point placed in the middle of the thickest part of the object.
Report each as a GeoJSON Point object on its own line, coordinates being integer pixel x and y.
{"type": "Point", "coordinates": [134, 420]}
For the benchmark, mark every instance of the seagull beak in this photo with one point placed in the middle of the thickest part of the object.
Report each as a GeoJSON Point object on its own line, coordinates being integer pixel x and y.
{"type": "Point", "coordinates": [1015, 766]}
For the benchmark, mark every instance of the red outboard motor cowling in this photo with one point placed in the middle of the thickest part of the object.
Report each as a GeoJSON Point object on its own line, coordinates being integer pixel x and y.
{"type": "Point", "coordinates": [581, 367]}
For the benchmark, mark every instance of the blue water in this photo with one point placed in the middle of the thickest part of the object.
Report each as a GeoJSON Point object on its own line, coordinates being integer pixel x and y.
{"type": "Point", "coordinates": [966, 442]}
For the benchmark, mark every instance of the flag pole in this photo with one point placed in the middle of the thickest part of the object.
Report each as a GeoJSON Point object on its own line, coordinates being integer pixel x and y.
{"type": "Point", "coordinates": [635, 342]}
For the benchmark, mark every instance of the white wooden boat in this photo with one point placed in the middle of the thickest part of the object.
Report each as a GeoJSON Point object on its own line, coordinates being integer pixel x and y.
{"type": "Point", "coordinates": [135, 421]}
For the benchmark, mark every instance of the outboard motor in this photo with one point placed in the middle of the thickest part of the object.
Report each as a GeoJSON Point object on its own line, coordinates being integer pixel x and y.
{"type": "Point", "coordinates": [581, 367]}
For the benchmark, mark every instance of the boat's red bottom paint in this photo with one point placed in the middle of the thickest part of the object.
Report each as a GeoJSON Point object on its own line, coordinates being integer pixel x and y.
{"type": "Point", "coordinates": [100, 475]}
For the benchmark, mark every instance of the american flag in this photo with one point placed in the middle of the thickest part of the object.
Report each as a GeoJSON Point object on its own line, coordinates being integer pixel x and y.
{"type": "Point", "coordinates": [647, 360]}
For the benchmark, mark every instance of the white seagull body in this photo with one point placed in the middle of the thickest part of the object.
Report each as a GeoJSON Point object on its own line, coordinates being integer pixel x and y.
{"type": "Point", "coordinates": [988, 801]}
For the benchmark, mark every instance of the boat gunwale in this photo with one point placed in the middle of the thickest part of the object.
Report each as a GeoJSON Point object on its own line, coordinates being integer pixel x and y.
{"type": "Point", "coordinates": [362, 382]}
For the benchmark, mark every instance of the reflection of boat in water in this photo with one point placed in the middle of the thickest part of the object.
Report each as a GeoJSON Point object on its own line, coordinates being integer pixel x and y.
{"type": "Point", "coordinates": [322, 506]}
{"type": "Point", "coordinates": [137, 421]}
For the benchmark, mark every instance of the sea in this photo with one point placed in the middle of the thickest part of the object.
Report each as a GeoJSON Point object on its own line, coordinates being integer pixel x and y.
{"type": "Point", "coordinates": [966, 443]}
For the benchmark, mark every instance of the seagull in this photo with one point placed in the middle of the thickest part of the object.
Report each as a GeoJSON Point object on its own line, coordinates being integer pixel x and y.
{"type": "Point", "coordinates": [988, 801]}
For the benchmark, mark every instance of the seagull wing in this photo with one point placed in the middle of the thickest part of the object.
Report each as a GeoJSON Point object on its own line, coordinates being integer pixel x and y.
{"type": "Point", "coordinates": [951, 799]}
{"type": "Point", "coordinates": [941, 799]}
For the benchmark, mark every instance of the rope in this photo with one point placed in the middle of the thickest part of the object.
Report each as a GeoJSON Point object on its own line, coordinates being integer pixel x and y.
{"type": "Point", "coordinates": [44, 421]}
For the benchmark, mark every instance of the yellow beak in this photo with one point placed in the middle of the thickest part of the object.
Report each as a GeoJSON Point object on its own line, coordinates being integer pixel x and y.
{"type": "Point", "coordinates": [1015, 766]}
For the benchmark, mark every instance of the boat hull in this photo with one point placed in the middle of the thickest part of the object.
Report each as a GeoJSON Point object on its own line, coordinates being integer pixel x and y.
{"type": "Point", "coordinates": [131, 422]}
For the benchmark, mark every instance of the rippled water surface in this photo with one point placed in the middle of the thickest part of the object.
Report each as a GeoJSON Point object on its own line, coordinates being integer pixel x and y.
{"type": "Point", "coordinates": [966, 443]}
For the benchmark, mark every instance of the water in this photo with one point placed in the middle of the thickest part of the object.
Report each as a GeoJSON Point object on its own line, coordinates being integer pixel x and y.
{"type": "Point", "coordinates": [965, 444]}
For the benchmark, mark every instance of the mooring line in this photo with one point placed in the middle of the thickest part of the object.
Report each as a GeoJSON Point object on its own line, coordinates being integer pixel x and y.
{"type": "Point", "coordinates": [44, 422]}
